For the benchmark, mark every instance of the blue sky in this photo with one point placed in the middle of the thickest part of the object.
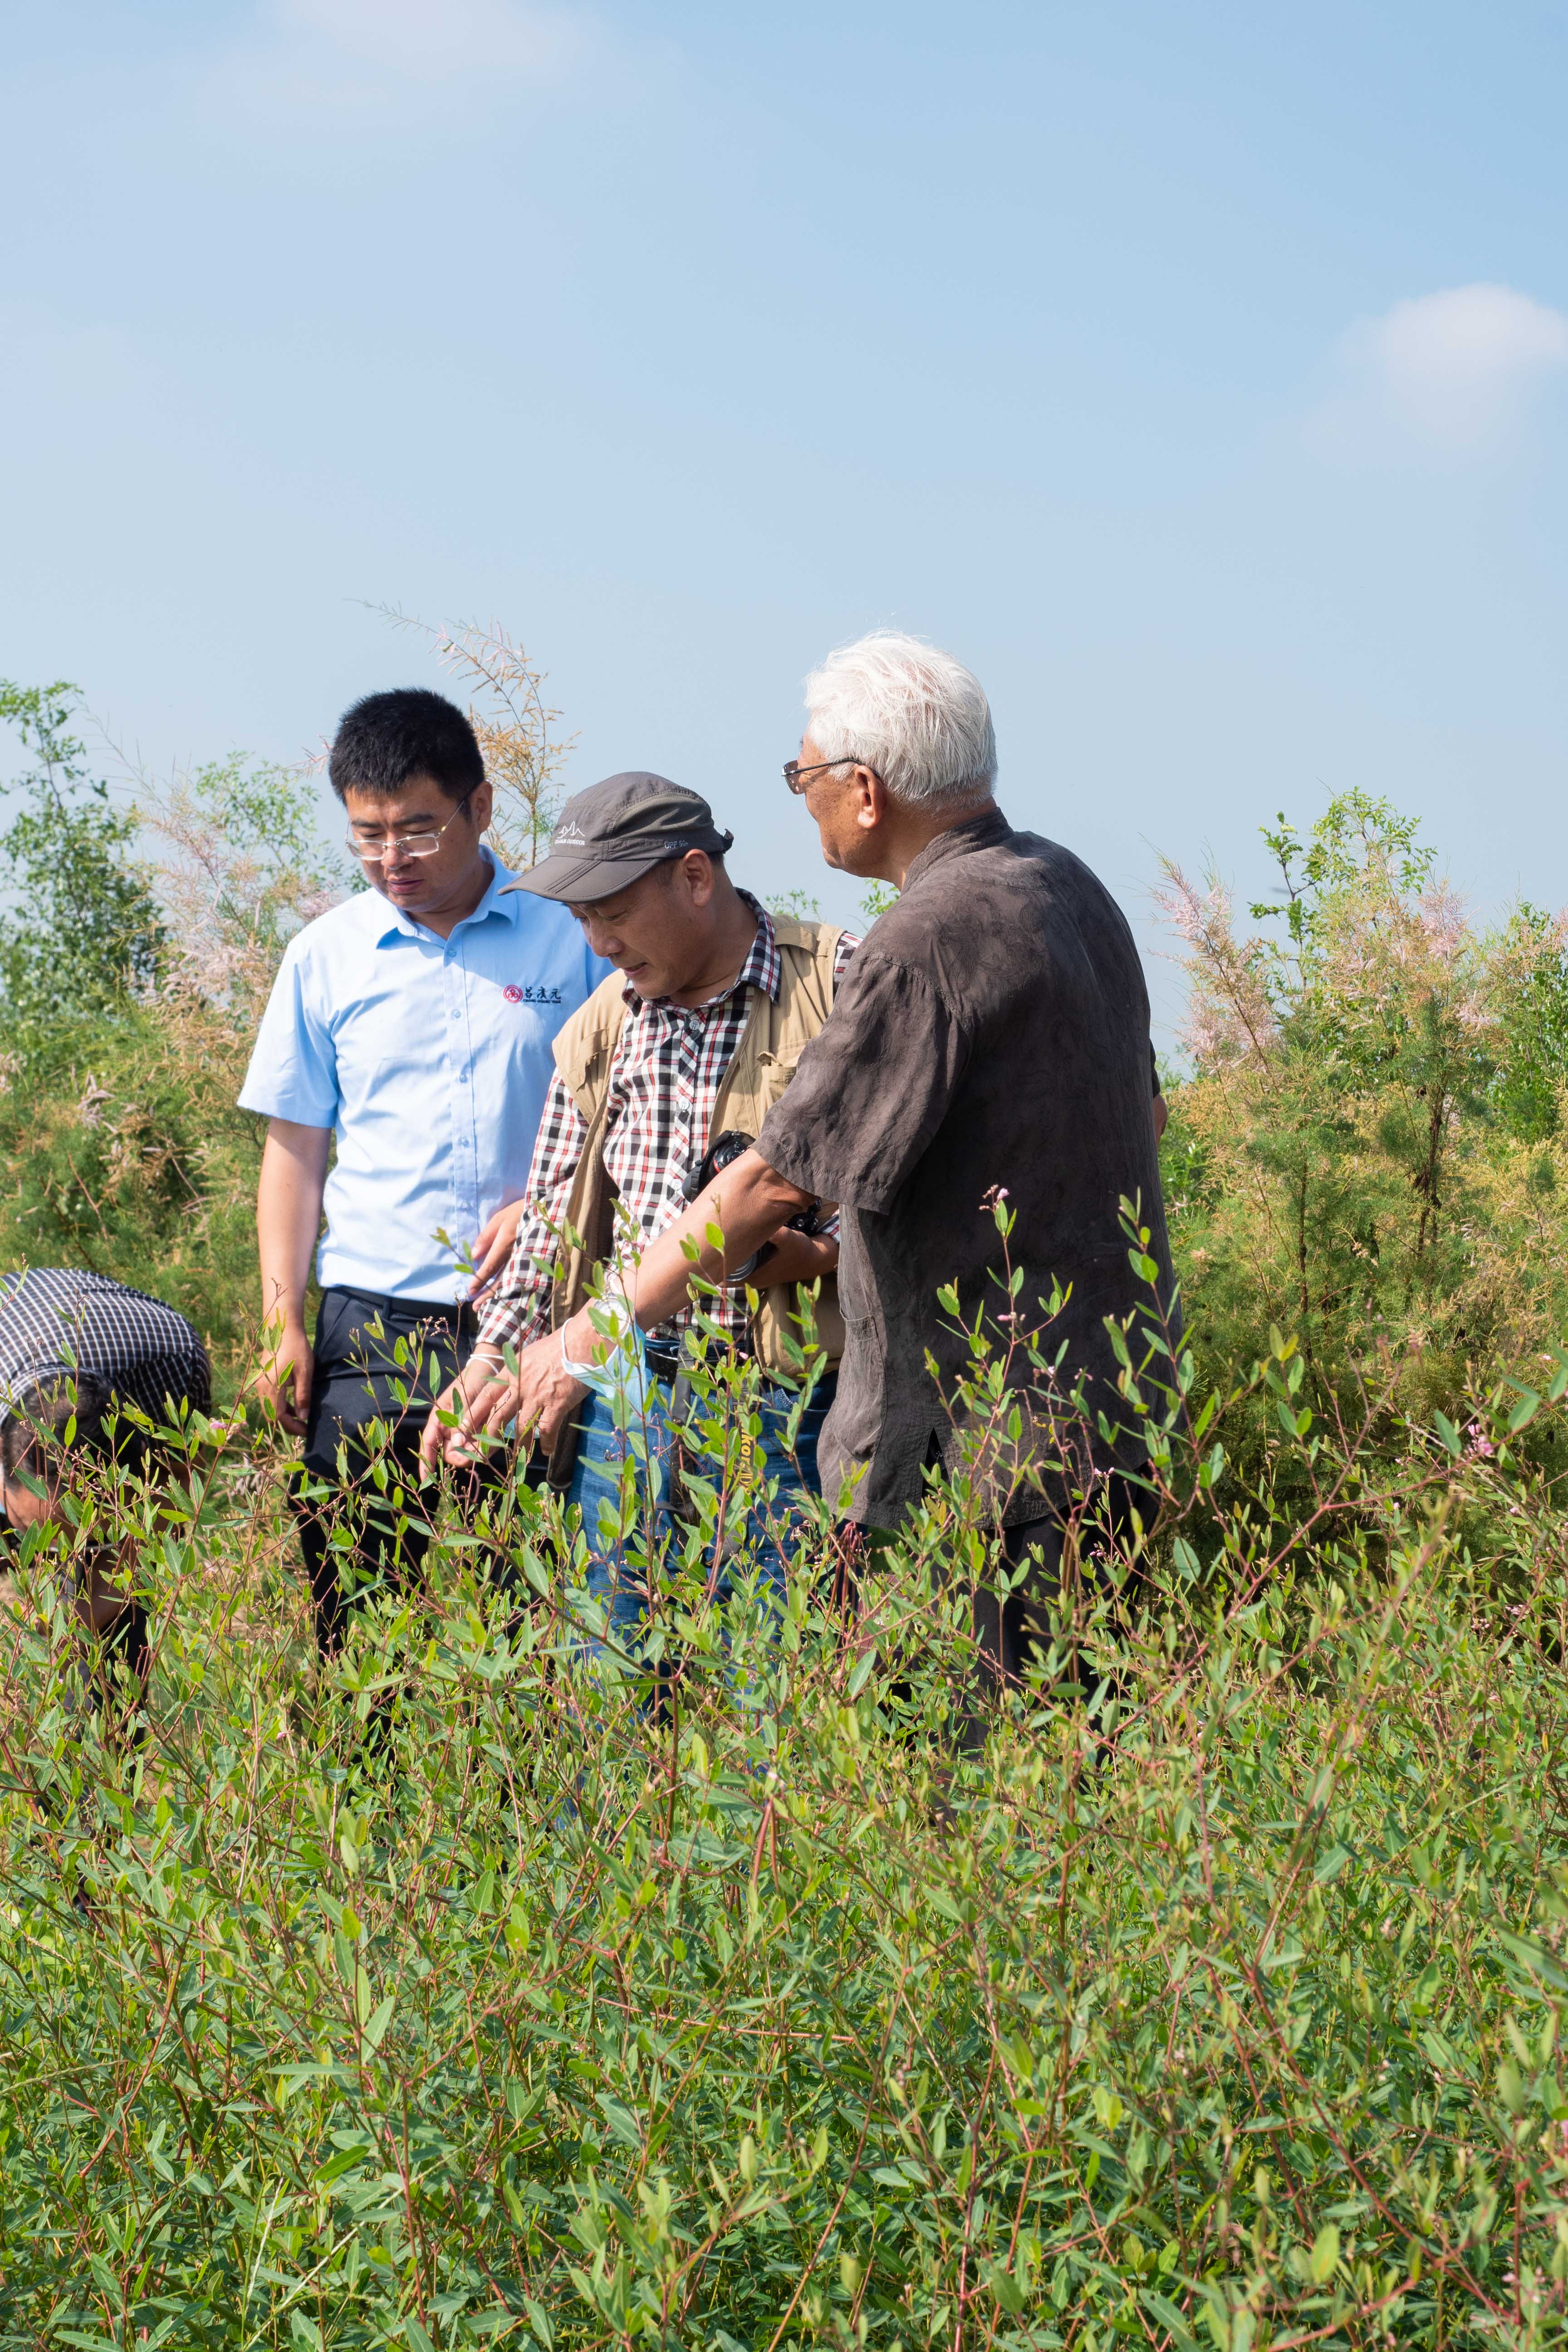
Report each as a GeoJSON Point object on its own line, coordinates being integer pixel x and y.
{"type": "Point", "coordinates": [1198, 373]}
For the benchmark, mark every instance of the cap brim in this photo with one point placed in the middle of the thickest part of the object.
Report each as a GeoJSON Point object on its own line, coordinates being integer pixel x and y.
{"type": "Point", "coordinates": [581, 880]}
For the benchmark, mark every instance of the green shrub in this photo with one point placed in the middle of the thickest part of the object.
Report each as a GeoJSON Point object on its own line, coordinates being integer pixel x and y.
{"type": "Point", "coordinates": [452, 1994]}
{"type": "Point", "coordinates": [1216, 2001]}
{"type": "Point", "coordinates": [1369, 1148]}
{"type": "Point", "coordinates": [82, 930]}
{"type": "Point", "coordinates": [140, 944]}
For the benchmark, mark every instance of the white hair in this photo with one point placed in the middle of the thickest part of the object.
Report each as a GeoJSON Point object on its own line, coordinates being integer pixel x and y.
{"type": "Point", "coordinates": [916, 716]}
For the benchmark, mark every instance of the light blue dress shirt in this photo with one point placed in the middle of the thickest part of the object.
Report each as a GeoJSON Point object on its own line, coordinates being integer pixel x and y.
{"type": "Point", "coordinates": [431, 1058]}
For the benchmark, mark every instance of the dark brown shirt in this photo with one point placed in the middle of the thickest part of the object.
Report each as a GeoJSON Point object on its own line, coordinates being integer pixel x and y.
{"type": "Point", "coordinates": [992, 1030]}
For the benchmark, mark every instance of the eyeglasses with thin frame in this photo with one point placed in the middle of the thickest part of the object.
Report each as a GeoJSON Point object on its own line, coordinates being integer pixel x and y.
{"type": "Point", "coordinates": [794, 771]}
{"type": "Point", "coordinates": [405, 845]}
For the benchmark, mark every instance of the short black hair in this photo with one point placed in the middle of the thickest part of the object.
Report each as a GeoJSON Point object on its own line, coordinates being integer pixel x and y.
{"type": "Point", "coordinates": [44, 1410]}
{"type": "Point", "coordinates": [105, 1433]}
{"type": "Point", "coordinates": [387, 740]}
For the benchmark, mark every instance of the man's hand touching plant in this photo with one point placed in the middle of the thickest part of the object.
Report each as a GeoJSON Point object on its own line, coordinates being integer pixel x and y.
{"type": "Point", "coordinates": [745, 1205]}
{"type": "Point", "coordinates": [485, 1396]}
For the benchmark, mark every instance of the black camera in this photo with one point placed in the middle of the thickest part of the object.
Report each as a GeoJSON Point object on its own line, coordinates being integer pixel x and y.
{"type": "Point", "coordinates": [722, 1152]}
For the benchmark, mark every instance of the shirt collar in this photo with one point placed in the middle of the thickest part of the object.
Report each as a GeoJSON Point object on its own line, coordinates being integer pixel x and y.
{"type": "Point", "coordinates": [982, 830]}
{"type": "Point", "coordinates": [764, 967]}
{"type": "Point", "coordinates": [389, 921]}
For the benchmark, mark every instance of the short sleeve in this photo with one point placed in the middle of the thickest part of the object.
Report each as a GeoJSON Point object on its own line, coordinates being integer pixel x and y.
{"type": "Point", "coordinates": [293, 1068]}
{"type": "Point", "coordinates": [871, 1089]}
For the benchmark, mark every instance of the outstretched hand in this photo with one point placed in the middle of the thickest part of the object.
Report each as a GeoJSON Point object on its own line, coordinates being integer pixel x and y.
{"type": "Point", "coordinates": [485, 1398]}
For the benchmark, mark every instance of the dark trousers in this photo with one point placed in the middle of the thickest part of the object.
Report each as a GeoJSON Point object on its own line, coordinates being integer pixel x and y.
{"type": "Point", "coordinates": [380, 1364]}
{"type": "Point", "coordinates": [1012, 1629]}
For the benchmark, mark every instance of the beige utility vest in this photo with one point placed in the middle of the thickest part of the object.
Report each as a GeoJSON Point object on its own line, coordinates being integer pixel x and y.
{"type": "Point", "coordinates": [760, 1069]}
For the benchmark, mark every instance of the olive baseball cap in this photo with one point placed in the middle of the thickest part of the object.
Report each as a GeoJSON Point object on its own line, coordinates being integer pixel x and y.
{"type": "Point", "coordinates": [610, 835]}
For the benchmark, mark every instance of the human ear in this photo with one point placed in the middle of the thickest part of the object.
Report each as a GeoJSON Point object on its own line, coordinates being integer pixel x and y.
{"type": "Point", "coordinates": [29, 1499]}
{"type": "Point", "coordinates": [870, 799]}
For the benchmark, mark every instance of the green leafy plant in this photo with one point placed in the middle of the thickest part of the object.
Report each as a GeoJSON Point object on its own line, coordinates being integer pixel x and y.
{"type": "Point", "coordinates": [715, 1996]}
{"type": "Point", "coordinates": [1366, 1149]}
{"type": "Point", "coordinates": [142, 938]}
{"type": "Point", "coordinates": [732, 1993]}
{"type": "Point", "coordinates": [81, 931]}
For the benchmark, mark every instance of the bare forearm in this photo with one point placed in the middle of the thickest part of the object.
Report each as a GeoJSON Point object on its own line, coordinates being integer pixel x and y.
{"type": "Point", "coordinates": [289, 1215]}
{"type": "Point", "coordinates": [798, 1258]}
{"type": "Point", "coordinates": [748, 1202]}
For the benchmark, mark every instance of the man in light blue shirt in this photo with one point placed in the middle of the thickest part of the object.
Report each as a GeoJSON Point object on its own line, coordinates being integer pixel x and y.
{"type": "Point", "coordinates": [414, 1022]}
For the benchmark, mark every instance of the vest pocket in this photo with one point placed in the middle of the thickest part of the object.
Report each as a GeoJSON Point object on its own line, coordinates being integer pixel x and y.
{"type": "Point", "coordinates": [777, 1325]}
{"type": "Point", "coordinates": [775, 1072]}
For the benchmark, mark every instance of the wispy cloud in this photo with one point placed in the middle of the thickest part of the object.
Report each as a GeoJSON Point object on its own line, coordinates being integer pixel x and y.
{"type": "Point", "coordinates": [449, 40]}
{"type": "Point", "coordinates": [1452, 373]}
{"type": "Point", "coordinates": [380, 58]}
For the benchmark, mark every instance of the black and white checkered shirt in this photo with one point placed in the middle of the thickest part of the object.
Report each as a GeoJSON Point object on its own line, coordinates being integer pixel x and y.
{"type": "Point", "coordinates": [669, 1067]}
{"type": "Point", "coordinates": [55, 1322]}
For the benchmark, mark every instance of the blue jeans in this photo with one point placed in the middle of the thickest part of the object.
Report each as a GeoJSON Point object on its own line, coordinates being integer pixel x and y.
{"type": "Point", "coordinates": [618, 1529]}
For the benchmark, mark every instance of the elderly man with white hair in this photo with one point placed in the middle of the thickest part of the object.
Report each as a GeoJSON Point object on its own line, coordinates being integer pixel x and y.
{"type": "Point", "coordinates": [991, 1035]}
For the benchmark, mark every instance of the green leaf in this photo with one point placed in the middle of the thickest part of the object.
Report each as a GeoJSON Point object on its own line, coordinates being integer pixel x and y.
{"type": "Point", "coordinates": [378, 2022]}
{"type": "Point", "coordinates": [1535, 1958]}
{"type": "Point", "coordinates": [1324, 2258]}
{"type": "Point", "coordinates": [622, 2122]}
{"type": "Point", "coordinates": [1005, 2289]}
{"type": "Point", "coordinates": [1161, 2308]}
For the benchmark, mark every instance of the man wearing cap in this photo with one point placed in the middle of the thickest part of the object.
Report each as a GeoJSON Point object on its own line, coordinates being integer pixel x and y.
{"type": "Point", "coordinates": [693, 1039]}
{"type": "Point", "coordinates": [992, 1036]}
{"type": "Point", "coordinates": [413, 1026]}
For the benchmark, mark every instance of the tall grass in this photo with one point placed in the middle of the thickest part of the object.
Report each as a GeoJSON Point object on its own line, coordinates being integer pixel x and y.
{"type": "Point", "coordinates": [457, 1994]}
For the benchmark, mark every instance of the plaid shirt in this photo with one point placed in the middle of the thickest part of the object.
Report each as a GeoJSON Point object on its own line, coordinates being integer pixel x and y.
{"type": "Point", "coordinates": [55, 1322]}
{"type": "Point", "coordinates": [669, 1063]}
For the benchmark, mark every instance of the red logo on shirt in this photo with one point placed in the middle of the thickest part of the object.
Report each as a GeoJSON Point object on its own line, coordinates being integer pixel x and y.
{"type": "Point", "coordinates": [512, 994]}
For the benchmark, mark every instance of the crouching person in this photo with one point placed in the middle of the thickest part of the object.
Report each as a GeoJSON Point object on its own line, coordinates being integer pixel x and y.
{"type": "Point", "coordinates": [79, 1354]}
{"type": "Point", "coordinates": [672, 1065]}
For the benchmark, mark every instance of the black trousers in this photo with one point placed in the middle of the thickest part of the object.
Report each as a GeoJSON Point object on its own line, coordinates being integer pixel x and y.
{"type": "Point", "coordinates": [378, 1360]}
{"type": "Point", "coordinates": [1014, 1628]}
